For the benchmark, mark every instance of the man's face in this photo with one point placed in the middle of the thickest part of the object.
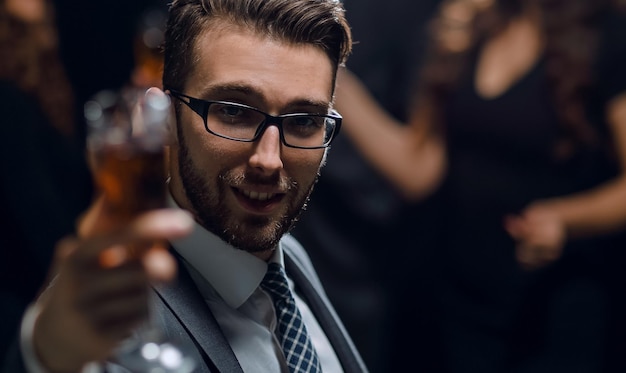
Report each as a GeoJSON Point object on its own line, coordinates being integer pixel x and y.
{"type": "Point", "coordinates": [249, 194]}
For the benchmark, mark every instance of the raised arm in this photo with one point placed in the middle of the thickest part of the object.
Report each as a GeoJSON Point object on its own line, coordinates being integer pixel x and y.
{"type": "Point", "coordinates": [99, 294]}
{"type": "Point", "coordinates": [410, 156]}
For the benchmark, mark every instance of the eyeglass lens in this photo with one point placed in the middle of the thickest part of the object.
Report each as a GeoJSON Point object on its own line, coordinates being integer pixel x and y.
{"type": "Point", "coordinates": [240, 122]}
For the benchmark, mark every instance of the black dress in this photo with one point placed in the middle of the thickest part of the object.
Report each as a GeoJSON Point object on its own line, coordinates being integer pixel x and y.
{"type": "Point", "coordinates": [495, 316]}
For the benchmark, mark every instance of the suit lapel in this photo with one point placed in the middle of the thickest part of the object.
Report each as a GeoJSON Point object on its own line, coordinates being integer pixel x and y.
{"type": "Point", "coordinates": [186, 304]}
{"type": "Point", "coordinates": [328, 320]}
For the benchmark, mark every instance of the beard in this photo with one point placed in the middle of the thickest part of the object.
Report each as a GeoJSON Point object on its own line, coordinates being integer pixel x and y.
{"type": "Point", "coordinates": [252, 233]}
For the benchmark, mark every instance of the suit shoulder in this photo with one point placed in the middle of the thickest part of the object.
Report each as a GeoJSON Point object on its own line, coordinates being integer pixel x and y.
{"type": "Point", "coordinates": [296, 251]}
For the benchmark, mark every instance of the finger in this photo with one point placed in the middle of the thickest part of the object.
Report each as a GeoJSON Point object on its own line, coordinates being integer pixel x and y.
{"type": "Point", "coordinates": [120, 314]}
{"type": "Point", "coordinates": [542, 243]}
{"type": "Point", "coordinates": [113, 256]}
{"type": "Point", "coordinates": [536, 257]}
{"type": "Point", "coordinates": [87, 222]}
{"type": "Point", "coordinates": [64, 248]}
{"type": "Point", "coordinates": [117, 300]}
{"type": "Point", "coordinates": [159, 264]}
{"type": "Point", "coordinates": [526, 256]}
{"type": "Point", "coordinates": [102, 285]}
{"type": "Point", "coordinates": [165, 224]}
{"type": "Point", "coordinates": [549, 255]}
{"type": "Point", "coordinates": [515, 226]}
{"type": "Point", "coordinates": [522, 254]}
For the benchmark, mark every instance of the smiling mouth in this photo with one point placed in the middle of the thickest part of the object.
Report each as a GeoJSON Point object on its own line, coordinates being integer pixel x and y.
{"type": "Point", "coordinates": [259, 196]}
{"type": "Point", "coordinates": [258, 202]}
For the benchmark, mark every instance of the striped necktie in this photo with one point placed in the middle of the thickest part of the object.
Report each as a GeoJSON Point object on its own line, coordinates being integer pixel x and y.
{"type": "Point", "coordinates": [294, 339]}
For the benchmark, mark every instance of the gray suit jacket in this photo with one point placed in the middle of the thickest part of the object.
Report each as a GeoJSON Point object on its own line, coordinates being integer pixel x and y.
{"type": "Point", "coordinates": [181, 312]}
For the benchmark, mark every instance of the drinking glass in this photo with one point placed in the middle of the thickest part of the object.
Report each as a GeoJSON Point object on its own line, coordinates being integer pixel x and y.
{"type": "Point", "coordinates": [126, 131]}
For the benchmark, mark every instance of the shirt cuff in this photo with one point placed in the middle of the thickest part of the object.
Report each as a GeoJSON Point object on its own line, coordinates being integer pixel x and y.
{"type": "Point", "coordinates": [27, 347]}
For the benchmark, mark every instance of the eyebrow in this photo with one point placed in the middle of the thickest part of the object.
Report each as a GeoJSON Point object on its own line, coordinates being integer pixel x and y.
{"type": "Point", "coordinates": [213, 90]}
{"type": "Point", "coordinates": [244, 89]}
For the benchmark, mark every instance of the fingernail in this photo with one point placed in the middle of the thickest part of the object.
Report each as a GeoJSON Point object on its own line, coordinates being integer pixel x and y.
{"type": "Point", "coordinates": [180, 219]}
{"type": "Point", "coordinates": [171, 220]}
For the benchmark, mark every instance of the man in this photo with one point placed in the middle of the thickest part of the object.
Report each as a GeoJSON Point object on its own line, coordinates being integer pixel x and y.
{"type": "Point", "coordinates": [252, 83]}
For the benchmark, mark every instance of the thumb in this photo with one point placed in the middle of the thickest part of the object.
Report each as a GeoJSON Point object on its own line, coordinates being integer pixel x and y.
{"type": "Point", "coordinates": [160, 265]}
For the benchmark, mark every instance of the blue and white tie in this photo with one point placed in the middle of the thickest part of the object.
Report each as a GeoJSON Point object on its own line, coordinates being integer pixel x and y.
{"type": "Point", "coordinates": [294, 339]}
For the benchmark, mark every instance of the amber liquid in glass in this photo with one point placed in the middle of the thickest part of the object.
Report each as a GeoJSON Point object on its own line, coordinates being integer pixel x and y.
{"type": "Point", "coordinates": [131, 179]}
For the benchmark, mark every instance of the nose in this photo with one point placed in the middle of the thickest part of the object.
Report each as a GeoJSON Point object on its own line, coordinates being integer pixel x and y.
{"type": "Point", "coordinates": [267, 152]}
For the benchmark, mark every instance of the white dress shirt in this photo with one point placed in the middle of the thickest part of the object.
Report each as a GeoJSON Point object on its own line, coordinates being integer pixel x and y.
{"type": "Point", "coordinates": [229, 280]}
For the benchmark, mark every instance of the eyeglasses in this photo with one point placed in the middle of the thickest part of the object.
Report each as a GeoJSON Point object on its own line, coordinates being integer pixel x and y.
{"type": "Point", "coordinates": [240, 122]}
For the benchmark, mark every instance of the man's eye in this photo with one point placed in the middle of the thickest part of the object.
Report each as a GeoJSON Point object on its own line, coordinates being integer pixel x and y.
{"type": "Point", "coordinates": [304, 121]}
{"type": "Point", "coordinates": [231, 114]}
{"type": "Point", "coordinates": [304, 126]}
{"type": "Point", "coordinates": [231, 111]}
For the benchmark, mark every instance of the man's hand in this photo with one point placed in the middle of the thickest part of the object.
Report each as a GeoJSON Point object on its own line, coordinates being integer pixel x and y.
{"type": "Point", "coordinates": [100, 293]}
{"type": "Point", "coordinates": [540, 234]}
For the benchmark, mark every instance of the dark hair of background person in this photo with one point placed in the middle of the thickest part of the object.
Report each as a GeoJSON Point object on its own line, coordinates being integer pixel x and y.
{"type": "Point", "coordinates": [297, 25]}
{"type": "Point", "coordinates": [29, 57]}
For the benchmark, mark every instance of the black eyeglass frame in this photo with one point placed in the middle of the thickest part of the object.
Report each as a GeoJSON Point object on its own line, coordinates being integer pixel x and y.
{"type": "Point", "coordinates": [201, 107]}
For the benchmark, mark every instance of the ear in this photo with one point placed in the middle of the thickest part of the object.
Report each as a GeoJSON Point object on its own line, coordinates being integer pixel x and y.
{"type": "Point", "coordinates": [172, 134]}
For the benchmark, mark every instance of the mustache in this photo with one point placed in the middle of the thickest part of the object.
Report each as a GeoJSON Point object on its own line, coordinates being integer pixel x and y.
{"type": "Point", "coordinates": [277, 181]}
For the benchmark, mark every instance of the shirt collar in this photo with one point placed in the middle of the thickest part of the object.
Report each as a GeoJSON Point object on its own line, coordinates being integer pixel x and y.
{"type": "Point", "coordinates": [233, 273]}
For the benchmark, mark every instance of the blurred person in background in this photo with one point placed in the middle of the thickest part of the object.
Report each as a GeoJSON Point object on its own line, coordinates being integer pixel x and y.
{"type": "Point", "coordinates": [518, 127]}
{"type": "Point", "coordinates": [356, 212]}
{"type": "Point", "coordinates": [44, 182]}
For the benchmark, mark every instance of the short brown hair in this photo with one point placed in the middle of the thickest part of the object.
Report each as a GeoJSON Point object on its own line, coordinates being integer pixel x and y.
{"type": "Point", "coordinates": [318, 22]}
